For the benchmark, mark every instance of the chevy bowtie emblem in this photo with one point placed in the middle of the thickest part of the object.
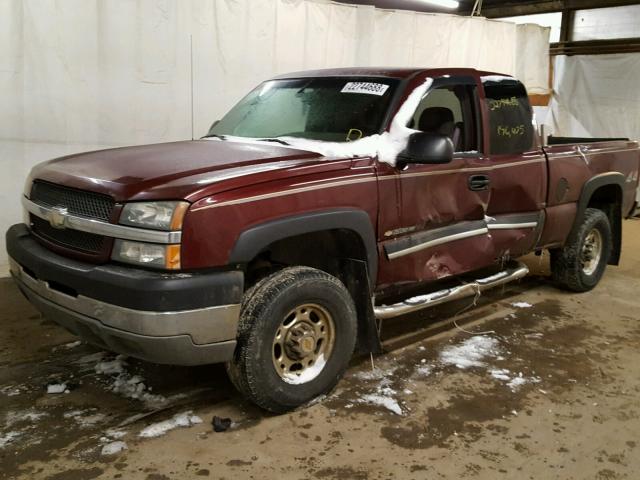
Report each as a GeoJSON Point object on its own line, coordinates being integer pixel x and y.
{"type": "Point", "coordinates": [58, 217]}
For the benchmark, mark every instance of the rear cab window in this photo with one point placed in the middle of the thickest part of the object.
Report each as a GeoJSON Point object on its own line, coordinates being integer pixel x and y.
{"type": "Point", "coordinates": [510, 115]}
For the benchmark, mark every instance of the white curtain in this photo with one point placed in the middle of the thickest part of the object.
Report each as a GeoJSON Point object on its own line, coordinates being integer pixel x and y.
{"type": "Point", "coordinates": [77, 75]}
{"type": "Point", "coordinates": [596, 96]}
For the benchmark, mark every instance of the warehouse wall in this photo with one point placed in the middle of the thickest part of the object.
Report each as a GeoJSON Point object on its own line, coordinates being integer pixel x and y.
{"type": "Point", "coordinates": [88, 74]}
{"type": "Point", "coordinates": [596, 96]}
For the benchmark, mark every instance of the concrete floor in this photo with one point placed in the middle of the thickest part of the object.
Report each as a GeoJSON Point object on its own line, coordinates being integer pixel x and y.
{"type": "Point", "coordinates": [552, 391]}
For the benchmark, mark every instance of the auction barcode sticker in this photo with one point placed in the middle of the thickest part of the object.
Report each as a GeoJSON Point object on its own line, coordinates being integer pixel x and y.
{"type": "Point", "coordinates": [365, 87]}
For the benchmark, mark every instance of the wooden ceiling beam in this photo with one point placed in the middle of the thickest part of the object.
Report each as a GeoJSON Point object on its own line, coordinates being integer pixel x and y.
{"type": "Point", "coordinates": [512, 9]}
{"type": "Point", "coordinates": [596, 47]}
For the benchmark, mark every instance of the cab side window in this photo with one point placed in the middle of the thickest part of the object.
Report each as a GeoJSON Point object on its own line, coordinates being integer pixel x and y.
{"type": "Point", "coordinates": [509, 117]}
{"type": "Point", "coordinates": [449, 110]}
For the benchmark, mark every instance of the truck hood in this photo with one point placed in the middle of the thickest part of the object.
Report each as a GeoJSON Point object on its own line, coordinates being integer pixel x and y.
{"type": "Point", "coordinates": [178, 170]}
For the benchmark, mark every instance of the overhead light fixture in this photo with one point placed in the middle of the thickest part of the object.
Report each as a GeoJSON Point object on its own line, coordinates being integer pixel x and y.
{"type": "Point", "coordinates": [451, 4]}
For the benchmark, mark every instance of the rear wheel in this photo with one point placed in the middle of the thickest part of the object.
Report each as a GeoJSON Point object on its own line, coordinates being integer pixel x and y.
{"type": "Point", "coordinates": [579, 266]}
{"type": "Point", "coordinates": [297, 333]}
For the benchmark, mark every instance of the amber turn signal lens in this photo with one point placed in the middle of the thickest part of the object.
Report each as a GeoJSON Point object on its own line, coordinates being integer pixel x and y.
{"type": "Point", "coordinates": [172, 257]}
{"type": "Point", "coordinates": [178, 215]}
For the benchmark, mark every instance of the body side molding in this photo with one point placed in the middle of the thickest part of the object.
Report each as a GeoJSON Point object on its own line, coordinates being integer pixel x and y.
{"type": "Point", "coordinates": [437, 236]}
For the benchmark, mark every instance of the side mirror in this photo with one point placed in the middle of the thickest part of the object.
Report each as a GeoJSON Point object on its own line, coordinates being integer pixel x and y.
{"type": "Point", "coordinates": [424, 147]}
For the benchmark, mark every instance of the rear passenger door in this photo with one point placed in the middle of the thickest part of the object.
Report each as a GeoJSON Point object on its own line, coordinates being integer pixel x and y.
{"type": "Point", "coordinates": [518, 174]}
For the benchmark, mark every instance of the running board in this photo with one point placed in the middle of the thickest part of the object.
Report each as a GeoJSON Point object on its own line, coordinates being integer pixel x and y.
{"type": "Point", "coordinates": [414, 304]}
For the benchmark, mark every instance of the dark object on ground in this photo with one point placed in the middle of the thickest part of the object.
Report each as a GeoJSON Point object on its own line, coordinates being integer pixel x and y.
{"type": "Point", "coordinates": [220, 424]}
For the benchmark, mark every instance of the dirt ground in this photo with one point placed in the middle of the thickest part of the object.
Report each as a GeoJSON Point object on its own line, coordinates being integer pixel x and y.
{"type": "Point", "coordinates": [551, 389]}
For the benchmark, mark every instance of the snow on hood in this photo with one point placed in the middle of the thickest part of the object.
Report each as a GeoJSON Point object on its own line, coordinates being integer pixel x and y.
{"type": "Point", "coordinates": [385, 146]}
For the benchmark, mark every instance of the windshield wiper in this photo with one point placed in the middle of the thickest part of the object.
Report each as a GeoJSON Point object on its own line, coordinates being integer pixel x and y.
{"type": "Point", "coordinates": [221, 137]}
{"type": "Point", "coordinates": [275, 140]}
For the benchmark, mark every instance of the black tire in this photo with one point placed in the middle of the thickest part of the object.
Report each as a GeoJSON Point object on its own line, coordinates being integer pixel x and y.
{"type": "Point", "coordinates": [266, 306]}
{"type": "Point", "coordinates": [568, 263]}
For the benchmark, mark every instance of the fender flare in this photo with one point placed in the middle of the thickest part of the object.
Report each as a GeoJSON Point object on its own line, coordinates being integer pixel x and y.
{"type": "Point", "coordinates": [253, 240]}
{"type": "Point", "coordinates": [591, 185]}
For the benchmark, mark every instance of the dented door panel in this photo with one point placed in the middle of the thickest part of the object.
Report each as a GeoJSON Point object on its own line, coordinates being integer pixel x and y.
{"type": "Point", "coordinates": [438, 210]}
{"type": "Point", "coordinates": [518, 190]}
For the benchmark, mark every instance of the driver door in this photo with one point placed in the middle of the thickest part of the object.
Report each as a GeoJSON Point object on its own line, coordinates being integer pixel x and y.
{"type": "Point", "coordinates": [442, 229]}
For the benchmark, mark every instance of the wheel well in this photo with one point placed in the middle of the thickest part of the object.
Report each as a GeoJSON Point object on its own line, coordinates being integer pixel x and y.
{"type": "Point", "coordinates": [339, 252]}
{"type": "Point", "coordinates": [608, 198]}
{"type": "Point", "coordinates": [325, 250]}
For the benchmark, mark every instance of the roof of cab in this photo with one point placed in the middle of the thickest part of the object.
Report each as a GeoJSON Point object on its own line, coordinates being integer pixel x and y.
{"type": "Point", "coordinates": [389, 72]}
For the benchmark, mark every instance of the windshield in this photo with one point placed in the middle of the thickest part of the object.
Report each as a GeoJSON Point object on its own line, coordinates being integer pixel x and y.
{"type": "Point", "coordinates": [327, 108]}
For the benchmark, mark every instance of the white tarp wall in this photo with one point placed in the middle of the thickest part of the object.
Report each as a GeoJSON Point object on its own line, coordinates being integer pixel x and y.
{"type": "Point", "coordinates": [596, 96]}
{"type": "Point", "coordinates": [77, 75]}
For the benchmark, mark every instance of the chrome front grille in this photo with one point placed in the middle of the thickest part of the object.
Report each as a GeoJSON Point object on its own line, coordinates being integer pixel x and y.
{"type": "Point", "coordinates": [76, 202]}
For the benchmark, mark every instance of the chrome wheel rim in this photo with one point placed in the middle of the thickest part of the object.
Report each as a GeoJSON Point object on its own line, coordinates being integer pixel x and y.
{"type": "Point", "coordinates": [303, 343]}
{"type": "Point", "coordinates": [591, 252]}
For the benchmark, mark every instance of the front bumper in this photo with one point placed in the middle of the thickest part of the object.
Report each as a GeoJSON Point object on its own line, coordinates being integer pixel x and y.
{"type": "Point", "coordinates": [169, 318]}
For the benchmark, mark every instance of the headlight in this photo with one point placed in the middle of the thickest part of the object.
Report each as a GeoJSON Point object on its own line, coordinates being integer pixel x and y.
{"type": "Point", "coordinates": [156, 215]}
{"type": "Point", "coordinates": [147, 254]}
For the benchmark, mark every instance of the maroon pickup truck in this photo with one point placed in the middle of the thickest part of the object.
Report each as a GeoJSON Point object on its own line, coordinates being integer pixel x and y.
{"type": "Point", "coordinates": [316, 208]}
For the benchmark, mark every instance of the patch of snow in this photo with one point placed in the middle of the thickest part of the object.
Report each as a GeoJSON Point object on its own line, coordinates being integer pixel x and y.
{"type": "Point", "coordinates": [517, 382]}
{"type": "Point", "coordinates": [113, 448]}
{"type": "Point", "coordinates": [520, 380]}
{"type": "Point", "coordinates": [134, 387]}
{"type": "Point", "coordinates": [85, 418]}
{"type": "Point", "coordinates": [501, 374]}
{"type": "Point", "coordinates": [307, 374]}
{"type": "Point", "coordinates": [424, 370]}
{"type": "Point", "coordinates": [185, 419]}
{"type": "Point", "coordinates": [521, 305]}
{"type": "Point", "coordinates": [514, 382]}
{"type": "Point", "coordinates": [75, 344]}
{"type": "Point", "coordinates": [495, 78]}
{"type": "Point", "coordinates": [375, 374]}
{"type": "Point", "coordinates": [383, 374]}
{"type": "Point", "coordinates": [383, 401]}
{"type": "Point", "coordinates": [8, 438]}
{"type": "Point", "coordinates": [91, 358]}
{"type": "Point", "coordinates": [12, 417]}
{"type": "Point", "coordinates": [125, 384]}
{"type": "Point", "coordinates": [12, 390]}
{"type": "Point", "coordinates": [471, 352]}
{"type": "Point", "coordinates": [56, 388]}
{"type": "Point", "coordinates": [111, 366]}
{"type": "Point", "coordinates": [115, 434]}
{"type": "Point", "coordinates": [533, 335]}
{"type": "Point", "coordinates": [383, 397]}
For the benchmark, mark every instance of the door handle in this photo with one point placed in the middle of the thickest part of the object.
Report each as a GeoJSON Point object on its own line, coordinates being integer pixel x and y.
{"type": "Point", "coordinates": [479, 182]}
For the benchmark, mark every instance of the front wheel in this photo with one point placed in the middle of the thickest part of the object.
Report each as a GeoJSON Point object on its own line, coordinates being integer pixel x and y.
{"type": "Point", "coordinates": [296, 335]}
{"type": "Point", "coordinates": [580, 264]}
